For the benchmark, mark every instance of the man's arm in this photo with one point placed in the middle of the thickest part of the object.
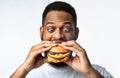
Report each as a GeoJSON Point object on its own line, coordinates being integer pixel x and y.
{"type": "Point", "coordinates": [92, 73]}
{"type": "Point", "coordinates": [20, 72]}
{"type": "Point", "coordinates": [33, 60]}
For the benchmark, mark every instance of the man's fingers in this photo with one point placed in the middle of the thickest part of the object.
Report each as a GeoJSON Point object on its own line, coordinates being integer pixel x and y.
{"type": "Point", "coordinates": [42, 47]}
{"type": "Point", "coordinates": [73, 46]}
{"type": "Point", "coordinates": [42, 44]}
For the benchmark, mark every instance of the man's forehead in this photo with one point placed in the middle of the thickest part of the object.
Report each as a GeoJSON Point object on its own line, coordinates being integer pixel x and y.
{"type": "Point", "coordinates": [58, 15]}
{"type": "Point", "coordinates": [54, 22]}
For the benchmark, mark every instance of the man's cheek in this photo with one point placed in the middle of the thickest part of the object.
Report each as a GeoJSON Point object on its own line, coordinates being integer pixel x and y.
{"type": "Point", "coordinates": [47, 37]}
{"type": "Point", "coordinates": [69, 37]}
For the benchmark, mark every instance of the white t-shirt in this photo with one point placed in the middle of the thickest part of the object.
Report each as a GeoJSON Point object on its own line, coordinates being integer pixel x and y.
{"type": "Point", "coordinates": [47, 71]}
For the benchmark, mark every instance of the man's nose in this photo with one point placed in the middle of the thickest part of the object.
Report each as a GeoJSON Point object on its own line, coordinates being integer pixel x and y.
{"type": "Point", "coordinates": [58, 35]}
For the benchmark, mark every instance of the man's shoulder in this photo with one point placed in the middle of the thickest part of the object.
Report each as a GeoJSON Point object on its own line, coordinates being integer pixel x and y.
{"type": "Point", "coordinates": [99, 68]}
{"type": "Point", "coordinates": [102, 71]}
{"type": "Point", "coordinates": [96, 66]}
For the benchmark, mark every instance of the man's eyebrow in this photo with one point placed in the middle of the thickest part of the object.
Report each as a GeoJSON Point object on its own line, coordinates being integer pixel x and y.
{"type": "Point", "coordinates": [67, 22]}
{"type": "Point", "coordinates": [50, 22]}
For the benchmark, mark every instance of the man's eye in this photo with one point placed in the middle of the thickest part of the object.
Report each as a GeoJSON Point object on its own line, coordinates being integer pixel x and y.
{"type": "Point", "coordinates": [66, 30]}
{"type": "Point", "coordinates": [51, 29]}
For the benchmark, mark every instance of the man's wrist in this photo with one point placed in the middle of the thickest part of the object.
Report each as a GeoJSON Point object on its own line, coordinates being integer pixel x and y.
{"type": "Point", "coordinates": [92, 73]}
{"type": "Point", "coordinates": [20, 72]}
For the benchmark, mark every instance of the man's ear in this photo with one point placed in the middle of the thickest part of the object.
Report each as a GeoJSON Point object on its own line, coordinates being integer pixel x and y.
{"type": "Point", "coordinates": [76, 33]}
{"type": "Point", "coordinates": [41, 32]}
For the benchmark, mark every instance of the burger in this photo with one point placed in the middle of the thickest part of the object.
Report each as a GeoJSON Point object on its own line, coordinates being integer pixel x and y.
{"type": "Point", "coordinates": [58, 54]}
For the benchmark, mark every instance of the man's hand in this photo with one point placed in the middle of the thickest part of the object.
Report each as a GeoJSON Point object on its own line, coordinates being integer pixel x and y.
{"type": "Point", "coordinates": [34, 59]}
{"type": "Point", "coordinates": [80, 62]}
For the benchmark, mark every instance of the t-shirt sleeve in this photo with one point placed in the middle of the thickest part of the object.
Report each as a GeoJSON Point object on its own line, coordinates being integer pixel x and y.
{"type": "Point", "coordinates": [102, 71]}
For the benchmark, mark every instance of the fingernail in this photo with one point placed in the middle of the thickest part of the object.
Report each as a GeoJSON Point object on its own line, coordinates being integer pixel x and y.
{"type": "Point", "coordinates": [62, 43]}
{"type": "Point", "coordinates": [53, 44]}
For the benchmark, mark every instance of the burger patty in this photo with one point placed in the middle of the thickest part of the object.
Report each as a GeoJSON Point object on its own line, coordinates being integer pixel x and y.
{"type": "Point", "coordinates": [59, 55]}
{"type": "Point", "coordinates": [50, 59]}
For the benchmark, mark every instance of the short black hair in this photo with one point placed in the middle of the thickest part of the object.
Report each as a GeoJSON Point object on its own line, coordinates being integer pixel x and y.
{"type": "Point", "coordinates": [60, 6]}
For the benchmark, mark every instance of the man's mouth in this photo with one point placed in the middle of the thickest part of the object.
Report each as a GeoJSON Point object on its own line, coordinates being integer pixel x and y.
{"type": "Point", "coordinates": [57, 42]}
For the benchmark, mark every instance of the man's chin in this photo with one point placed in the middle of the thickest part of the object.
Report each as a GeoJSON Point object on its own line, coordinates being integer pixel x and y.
{"type": "Point", "coordinates": [58, 65]}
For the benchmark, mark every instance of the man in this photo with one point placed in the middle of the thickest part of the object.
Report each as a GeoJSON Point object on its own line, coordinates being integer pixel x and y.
{"type": "Point", "coordinates": [59, 25]}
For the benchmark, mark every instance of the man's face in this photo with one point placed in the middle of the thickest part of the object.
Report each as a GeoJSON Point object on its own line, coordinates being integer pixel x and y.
{"type": "Point", "coordinates": [58, 26]}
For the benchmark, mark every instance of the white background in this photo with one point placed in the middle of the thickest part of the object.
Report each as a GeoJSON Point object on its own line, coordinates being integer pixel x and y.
{"type": "Point", "coordinates": [98, 20]}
